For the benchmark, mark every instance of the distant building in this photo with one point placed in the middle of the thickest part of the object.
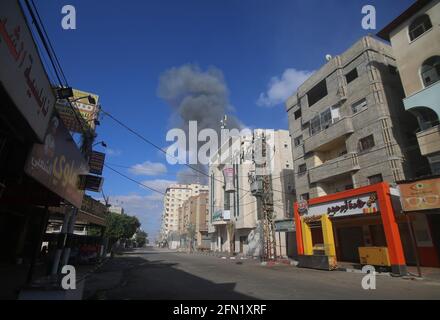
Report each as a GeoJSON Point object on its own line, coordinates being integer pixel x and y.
{"type": "Point", "coordinates": [235, 213]}
{"type": "Point", "coordinates": [175, 195]}
{"type": "Point", "coordinates": [116, 210]}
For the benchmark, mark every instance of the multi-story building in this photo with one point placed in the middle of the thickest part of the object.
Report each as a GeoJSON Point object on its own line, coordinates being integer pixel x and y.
{"type": "Point", "coordinates": [193, 217]}
{"type": "Point", "coordinates": [350, 131]}
{"type": "Point", "coordinates": [348, 125]}
{"type": "Point", "coordinates": [415, 39]}
{"type": "Point", "coordinates": [235, 213]}
{"type": "Point", "coordinates": [175, 196]}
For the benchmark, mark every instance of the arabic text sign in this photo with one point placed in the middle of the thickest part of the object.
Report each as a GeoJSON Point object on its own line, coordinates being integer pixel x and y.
{"type": "Point", "coordinates": [96, 162]}
{"type": "Point", "coordinates": [21, 71]}
{"type": "Point", "coordinates": [363, 204]}
{"type": "Point", "coordinates": [420, 195]}
{"type": "Point", "coordinates": [86, 112]}
{"type": "Point", "coordinates": [57, 164]}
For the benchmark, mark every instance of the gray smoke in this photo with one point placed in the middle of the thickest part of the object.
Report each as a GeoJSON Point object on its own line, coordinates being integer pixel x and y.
{"type": "Point", "coordinates": [197, 95]}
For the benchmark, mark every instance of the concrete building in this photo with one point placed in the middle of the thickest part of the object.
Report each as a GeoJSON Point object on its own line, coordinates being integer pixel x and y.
{"type": "Point", "coordinates": [193, 217]}
{"type": "Point", "coordinates": [348, 125]}
{"type": "Point", "coordinates": [415, 39]}
{"type": "Point", "coordinates": [234, 212]}
{"type": "Point", "coordinates": [350, 133]}
{"type": "Point", "coordinates": [175, 196]}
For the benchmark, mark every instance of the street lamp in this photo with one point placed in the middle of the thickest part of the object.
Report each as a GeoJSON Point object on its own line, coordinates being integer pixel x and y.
{"type": "Point", "coordinates": [102, 143]}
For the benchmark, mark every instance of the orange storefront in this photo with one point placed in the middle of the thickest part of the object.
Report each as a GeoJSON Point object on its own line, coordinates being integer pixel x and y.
{"type": "Point", "coordinates": [421, 205]}
{"type": "Point", "coordinates": [348, 225]}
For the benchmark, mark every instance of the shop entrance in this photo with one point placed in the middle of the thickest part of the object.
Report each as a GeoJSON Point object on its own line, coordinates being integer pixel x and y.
{"type": "Point", "coordinates": [350, 239]}
{"type": "Point", "coordinates": [354, 232]}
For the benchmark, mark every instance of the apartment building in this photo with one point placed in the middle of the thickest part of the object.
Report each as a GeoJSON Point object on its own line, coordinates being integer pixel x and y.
{"type": "Point", "coordinates": [193, 218]}
{"type": "Point", "coordinates": [175, 196]}
{"type": "Point", "coordinates": [352, 141]}
{"type": "Point", "coordinates": [415, 39]}
{"type": "Point", "coordinates": [234, 212]}
{"type": "Point", "coordinates": [348, 124]}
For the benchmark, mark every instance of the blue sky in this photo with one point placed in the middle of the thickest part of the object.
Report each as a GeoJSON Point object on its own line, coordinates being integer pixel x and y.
{"type": "Point", "coordinates": [121, 48]}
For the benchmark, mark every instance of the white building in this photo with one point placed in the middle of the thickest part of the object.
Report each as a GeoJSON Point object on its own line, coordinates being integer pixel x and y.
{"type": "Point", "coordinates": [174, 197]}
{"type": "Point", "coordinates": [235, 215]}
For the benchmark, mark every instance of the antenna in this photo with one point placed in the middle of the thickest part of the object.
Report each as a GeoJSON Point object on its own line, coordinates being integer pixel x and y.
{"type": "Point", "coordinates": [223, 122]}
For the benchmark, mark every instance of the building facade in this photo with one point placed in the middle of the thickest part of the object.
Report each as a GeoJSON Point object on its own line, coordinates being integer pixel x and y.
{"type": "Point", "coordinates": [350, 131]}
{"type": "Point", "coordinates": [415, 39]}
{"type": "Point", "coordinates": [175, 196]}
{"type": "Point", "coordinates": [235, 213]}
{"type": "Point", "coordinates": [348, 125]}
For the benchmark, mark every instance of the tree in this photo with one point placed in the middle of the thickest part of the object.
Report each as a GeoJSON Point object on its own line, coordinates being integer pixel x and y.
{"type": "Point", "coordinates": [121, 226]}
{"type": "Point", "coordinates": [141, 238]}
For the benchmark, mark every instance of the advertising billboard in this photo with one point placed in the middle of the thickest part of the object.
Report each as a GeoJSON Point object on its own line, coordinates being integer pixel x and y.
{"type": "Point", "coordinates": [21, 72]}
{"type": "Point", "coordinates": [58, 164]}
{"type": "Point", "coordinates": [420, 195]}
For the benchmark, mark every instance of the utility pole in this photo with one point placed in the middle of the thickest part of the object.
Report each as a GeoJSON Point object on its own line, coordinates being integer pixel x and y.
{"type": "Point", "coordinates": [262, 189]}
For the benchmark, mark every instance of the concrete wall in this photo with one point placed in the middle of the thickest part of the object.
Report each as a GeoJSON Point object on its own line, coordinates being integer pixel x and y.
{"type": "Point", "coordinates": [410, 55]}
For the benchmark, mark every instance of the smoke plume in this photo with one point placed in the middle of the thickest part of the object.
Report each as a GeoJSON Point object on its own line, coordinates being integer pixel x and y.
{"type": "Point", "coordinates": [197, 95]}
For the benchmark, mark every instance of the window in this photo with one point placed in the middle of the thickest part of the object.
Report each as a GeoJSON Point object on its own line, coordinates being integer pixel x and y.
{"type": "Point", "coordinates": [302, 169]}
{"type": "Point", "coordinates": [317, 93]}
{"type": "Point", "coordinates": [358, 106]}
{"type": "Point", "coordinates": [377, 178]}
{"type": "Point", "coordinates": [326, 119]}
{"type": "Point", "coordinates": [353, 74]}
{"type": "Point", "coordinates": [305, 196]}
{"type": "Point", "coordinates": [315, 125]}
{"type": "Point", "coordinates": [419, 26]}
{"type": "Point", "coordinates": [298, 141]}
{"type": "Point", "coordinates": [431, 71]}
{"type": "Point", "coordinates": [366, 143]}
{"type": "Point", "coordinates": [297, 114]}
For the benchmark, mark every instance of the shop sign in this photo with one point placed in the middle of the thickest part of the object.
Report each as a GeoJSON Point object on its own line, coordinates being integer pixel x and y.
{"type": "Point", "coordinates": [58, 164]}
{"type": "Point", "coordinates": [303, 206]}
{"type": "Point", "coordinates": [284, 226]}
{"type": "Point", "coordinates": [228, 174]}
{"type": "Point", "coordinates": [420, 195]}
{"type": "Point", "coordinates": [96, 162]}
{"type": "Point", "coordinates": [21, 71]}
{"type": "Point", "coordinates": [364, 204]}
{"type": "Point", "coordinates": [218, 215]}
{"type": "Point", "coordinates": [86, 112]}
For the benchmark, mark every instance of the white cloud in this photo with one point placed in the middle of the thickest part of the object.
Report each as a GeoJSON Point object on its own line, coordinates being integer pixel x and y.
{"type": "Point", "coordinates": [148, 169]}
{"type": "Point", "coordinates": [279, 89]}
{"type": "Point", "coordinates": [158, 184]}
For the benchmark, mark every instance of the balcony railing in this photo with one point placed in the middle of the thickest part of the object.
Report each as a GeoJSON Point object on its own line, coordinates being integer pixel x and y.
{"type": "Point", "coordinates": [331, 133]}
{"type": "Point", "coordinates": [335, 167]}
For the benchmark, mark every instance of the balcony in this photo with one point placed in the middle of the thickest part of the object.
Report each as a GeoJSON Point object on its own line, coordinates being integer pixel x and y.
{"type": "Point", "coordinates": [429, 140]}
{"type": "Point", "coordinates": [335, 167]}
{"type": "Point", "coordinates": [324, 138]}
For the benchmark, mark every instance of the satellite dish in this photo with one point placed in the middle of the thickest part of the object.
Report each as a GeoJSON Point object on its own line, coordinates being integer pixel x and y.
{"type": "Point", "coordinates": [328, 57]}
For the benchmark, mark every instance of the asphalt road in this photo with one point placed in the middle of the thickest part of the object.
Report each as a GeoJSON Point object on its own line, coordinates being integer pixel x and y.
{"type": "Point", "coordinates": [161, 274]}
